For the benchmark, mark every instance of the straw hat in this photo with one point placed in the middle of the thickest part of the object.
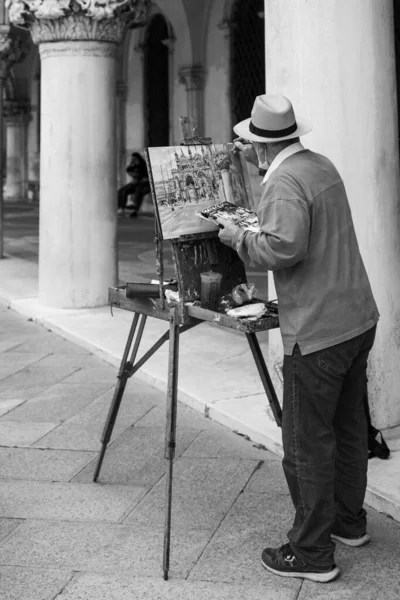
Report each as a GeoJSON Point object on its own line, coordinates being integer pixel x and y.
{"type": "Point", "coordinates": [272, 120]}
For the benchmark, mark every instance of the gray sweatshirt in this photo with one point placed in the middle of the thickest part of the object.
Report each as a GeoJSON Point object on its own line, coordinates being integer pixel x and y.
{"type": "Point", "coordinates": [308, 240]}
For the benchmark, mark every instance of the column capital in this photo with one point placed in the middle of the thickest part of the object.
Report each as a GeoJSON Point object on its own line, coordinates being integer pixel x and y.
{"type": "Point", "coordinates": [12, 50]}
{"type": "Point", "coordinates": [78, 20]}
{"type": "Point", "coordinates": [226, 26]}
{"type": "Point", "coordinates": [193, 77]}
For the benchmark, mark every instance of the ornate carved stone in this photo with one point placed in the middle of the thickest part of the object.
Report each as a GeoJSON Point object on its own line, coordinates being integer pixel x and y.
{"type": "Point", "coordinates": [226, 26]}
{"type": "Point", "coordinates": [193, 77]}
{"type": "Point", "coordinates": [12, 50]}
{"type": "Point", "coordinates": [169, 42]}
{"type": "Point", "coordinates": [78, 20]}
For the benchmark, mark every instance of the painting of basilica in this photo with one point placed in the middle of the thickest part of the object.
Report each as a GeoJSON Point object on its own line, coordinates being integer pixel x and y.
{"type": "Point", "coordinates": [188, 179]}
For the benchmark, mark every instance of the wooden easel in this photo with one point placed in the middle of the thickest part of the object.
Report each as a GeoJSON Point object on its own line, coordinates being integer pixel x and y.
{"type": "Point", "coordinates": [182, 317]}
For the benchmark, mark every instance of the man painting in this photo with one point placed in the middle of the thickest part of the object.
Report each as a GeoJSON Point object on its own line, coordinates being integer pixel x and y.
{"type": "Point", "coordinates": [328, 320]}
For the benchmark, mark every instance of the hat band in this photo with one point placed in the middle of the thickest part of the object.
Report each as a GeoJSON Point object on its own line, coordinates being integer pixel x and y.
{"type": "Point", "coordinates": [277, 133]}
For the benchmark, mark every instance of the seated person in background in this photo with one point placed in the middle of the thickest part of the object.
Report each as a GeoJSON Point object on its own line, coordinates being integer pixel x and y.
{"type": "Point", "coordinates": [138, 187]}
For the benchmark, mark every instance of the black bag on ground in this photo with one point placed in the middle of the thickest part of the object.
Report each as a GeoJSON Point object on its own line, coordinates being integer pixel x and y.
{"type": "Point", "coordinates": [375, 448]}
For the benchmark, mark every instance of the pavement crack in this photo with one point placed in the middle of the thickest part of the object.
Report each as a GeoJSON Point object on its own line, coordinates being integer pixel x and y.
{"type": "Point", "coordinates": [66, 584]}
{"type": "Point", "coordinates": [230, 357]}
{"type": "Point", "coordinates": [223, 518]}
{"type": "Point", "coordinates": [250, 395]}
{"type": "Point", "coordinates": [300, 588]}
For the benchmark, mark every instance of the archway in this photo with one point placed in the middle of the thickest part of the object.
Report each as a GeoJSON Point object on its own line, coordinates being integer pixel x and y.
{"type": "Point", "coordinates": [156, 78]}
{"type": "Point", "coordinates": [247, 56]}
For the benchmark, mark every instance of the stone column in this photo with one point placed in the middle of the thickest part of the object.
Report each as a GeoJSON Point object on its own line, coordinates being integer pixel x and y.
{"type": "Point", "coordinates": [193, 78]}
{"type": "Point", "coordinates": [12, 50]}
{"type": "Point", "coordinates": [16, 116]}
{"type": "Point", "coordinates": [336, 61]}
{"type": "Point", "coordinates": [78, 209]}
{"type": "Point", "coordinates": [34, 142]}
{"type": "Point", "coordinates": [224, 73]}
{"type": "Point", "coordinates": [122, 94]}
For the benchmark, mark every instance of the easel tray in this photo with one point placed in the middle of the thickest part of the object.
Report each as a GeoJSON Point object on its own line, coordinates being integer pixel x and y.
{"type": "Point", "coordinates": [152, 307]}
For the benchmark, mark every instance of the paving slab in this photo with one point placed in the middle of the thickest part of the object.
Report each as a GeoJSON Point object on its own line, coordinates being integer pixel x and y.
{"type": "Point", "coordinates": [32, 380]}
{"type": "Point", "coordinates": [79, 361]}
{"type": "Point", "coordinates": [269, 478]}
{"type": "Point", "coordinates": [30, 584]}
{"type": "Point", "coordinates": [233, 555]}
{"type": "Point", "coordinates": [16, 433]}
{"type": "Point", "coordinates": [7, 404]}
{"type": "Point", "coordinates": [85, 374]}
{"type": "Point", "coordinates": [102, 587]}
{"type": "Point", "coordinates": [9, 344]}
{"type": "Point", "coordinates": [367, 573]}
{"type": "Point", "coordinates": [186, 417]}
{"type": "Point", "coordinates": [83, 431]}
{"type": "Point", "coordinates": [101, 547]}
{"type": "Point", "coordinates": [7, 526]}
{"type": "Point", "coordinates": [136, 457]}
{"type": "Point", "coordinates": [220, 442]}
{"type": "Point", "coordinates": [50, 344]}
{"type": "Point", "coordinates": [11, 362]}
{"type": "Point", "coordinates": [66, 501]}
{"type": "Point", "coordinates": [58, 402]}
{"type": "Point", "coordinates": [203, 492]}
{"type": "Point", "coordinates": [47, 465]}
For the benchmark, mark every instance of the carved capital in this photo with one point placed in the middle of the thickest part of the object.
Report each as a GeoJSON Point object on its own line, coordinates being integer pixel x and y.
{"type": "Point", "coordinates": [226, 26]}
{"type": "Point", "coordinates": [192, 77]}
{"type": "Point", "coordinates": [72, 48]}
{"type": "Point", "coordinates": [12, 50]}
{"type": "Point", "coordinates": [78, 20]}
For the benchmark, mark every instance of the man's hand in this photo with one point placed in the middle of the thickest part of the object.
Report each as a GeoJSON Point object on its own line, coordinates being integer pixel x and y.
{"type": "Point", "coordinates": [227, 231]}
{"type": "Point", "coordinates": [244, 146]}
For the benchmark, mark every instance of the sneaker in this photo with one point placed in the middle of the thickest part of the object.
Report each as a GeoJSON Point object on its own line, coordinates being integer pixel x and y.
{"type": "Point", "coordinates": [283, 561]}
{"type": "Point", "coordinates": [352, 541]}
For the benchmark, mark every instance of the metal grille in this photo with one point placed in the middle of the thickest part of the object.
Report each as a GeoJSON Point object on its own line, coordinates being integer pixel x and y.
{"type": "Point", "coordinates": [247, 57]}
{"type": "Point", "coordinates": [156, 75]}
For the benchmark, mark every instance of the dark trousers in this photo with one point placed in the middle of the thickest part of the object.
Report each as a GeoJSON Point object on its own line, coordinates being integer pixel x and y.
{"type": "Point", "coordinates": [324, 431]}
{"type": "Point", "coordinates": [124, 192]}
{"type": "Point", "coordinates": [136, 188]}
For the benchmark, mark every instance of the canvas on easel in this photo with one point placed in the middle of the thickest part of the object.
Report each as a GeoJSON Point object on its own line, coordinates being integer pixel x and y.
{"type": "Point", "coordinates": [190, 178]}
{"type": "Point", "coordinates": [184, 180]}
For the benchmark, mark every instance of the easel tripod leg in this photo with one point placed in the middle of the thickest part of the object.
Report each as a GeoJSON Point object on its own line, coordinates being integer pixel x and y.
{"type": "Point", "coordinates": [265, 377]}
{"type": "Point", "coordinates": [122, 377]}
{"type": "Point", "coordinates": [170, 433]}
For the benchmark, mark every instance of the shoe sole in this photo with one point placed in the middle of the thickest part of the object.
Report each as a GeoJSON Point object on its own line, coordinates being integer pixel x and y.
{"type": "Point", "coordinates": [354, 543]}
{"type": "Point", "coordinates": [318, 577]}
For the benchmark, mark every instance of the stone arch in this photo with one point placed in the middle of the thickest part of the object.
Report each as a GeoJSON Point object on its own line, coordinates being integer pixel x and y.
{"type": "Point", "coordinates": [157, 81]}
{"type": "Point", "coordinates": [247, 56]}
{"type": "Point", "coordinates": [131, 73]}
{"type": "Point", "coordinates": [217, 121]}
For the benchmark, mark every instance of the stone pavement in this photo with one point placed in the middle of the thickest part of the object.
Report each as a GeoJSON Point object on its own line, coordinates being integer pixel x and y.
{"type": "Point", "coordinates": [64, 537]}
